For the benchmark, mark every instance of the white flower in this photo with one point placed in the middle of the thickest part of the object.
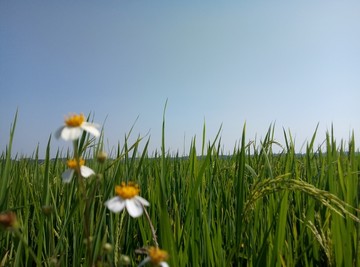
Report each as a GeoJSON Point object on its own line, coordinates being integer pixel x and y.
{"type": "Point", "coordinates": [69, 173]}
{"type": "Point", "coordinates": [157, 257]}
{"type": "Point", "coordinates": [127, 196]}
{"type": "Point", "coordinates": [74, 126]}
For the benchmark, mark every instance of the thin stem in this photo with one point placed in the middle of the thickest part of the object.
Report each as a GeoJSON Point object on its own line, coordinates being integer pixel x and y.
{"type": "Point", "coordinates": [151, 227]}
{"type": "Point", "coordinates": [82, 198]}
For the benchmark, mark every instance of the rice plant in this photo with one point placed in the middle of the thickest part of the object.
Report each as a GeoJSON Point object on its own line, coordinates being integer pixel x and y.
{"type": "Point", "coordinates": [252, 207]}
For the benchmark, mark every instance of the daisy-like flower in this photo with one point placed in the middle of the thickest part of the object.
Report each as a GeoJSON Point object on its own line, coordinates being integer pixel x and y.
{"type": "Point", "coordinates": [74, 126]}
{"type": "Point", "coordinates": [157, 257]}
{"type": "Point", "coordinates": [72, 164]}
{"type": "Point", "coordinates": [127, 196]}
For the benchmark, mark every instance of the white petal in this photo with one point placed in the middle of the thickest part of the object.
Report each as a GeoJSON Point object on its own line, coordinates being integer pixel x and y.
{"type": "Point", "coordinates": [142, 200]}
{"type": "Point", "coordinates": [133, 207]}
{"type": "Point", "coordinates": [146, 260]}
{"type": "Point", "coordinates": [58, 132]}
{"type": "Point", "coordinates": [71, 133]}
{"type": "Point", "coordinates": [164, 264]}
{"type": "Point", "coordinates": [91, 128]}
{"type": "Point", "coordinates": [86, 171]}
{"type": "Point", "coordinates": [67, 175]}
{"type": "Point", "coordinates": [115, 204]}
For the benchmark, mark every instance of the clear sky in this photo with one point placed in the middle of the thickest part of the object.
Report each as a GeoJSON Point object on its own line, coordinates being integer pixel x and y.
{"type": "Point", "coordinates": [292, 63]}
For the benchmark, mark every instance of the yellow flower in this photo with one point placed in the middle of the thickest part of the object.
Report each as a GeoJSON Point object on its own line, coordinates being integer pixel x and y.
{"type": "Point", "coordinates": [157, 257]}
{"type": "Point", "coordinates": [72, 164]}
{"type": "Point", "coordinates": [127, 196]}
{"type": "Point", "coordinates": [74, 126]}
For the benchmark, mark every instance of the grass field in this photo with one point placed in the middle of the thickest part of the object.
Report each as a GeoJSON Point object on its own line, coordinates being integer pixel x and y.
{"type": "Point", "coordinates": [251, 208]}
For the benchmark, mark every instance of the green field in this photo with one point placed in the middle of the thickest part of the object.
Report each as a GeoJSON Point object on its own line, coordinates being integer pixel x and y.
{"type": "Point", "coordinates": [250, 208]}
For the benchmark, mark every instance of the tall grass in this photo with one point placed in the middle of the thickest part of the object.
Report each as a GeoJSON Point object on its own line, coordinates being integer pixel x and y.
{"type": "Point", "coordinates": [251, 208]}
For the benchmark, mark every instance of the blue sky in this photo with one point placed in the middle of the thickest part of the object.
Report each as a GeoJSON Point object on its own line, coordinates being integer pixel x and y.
{"type": "Point", "coordinates": [292, 63]}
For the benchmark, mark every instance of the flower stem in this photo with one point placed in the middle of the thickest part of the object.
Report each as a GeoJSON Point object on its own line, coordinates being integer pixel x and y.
{"type": "Point", "coordinates": [83, 201]}
{"type": "Point", "coordinates": [151, 227]}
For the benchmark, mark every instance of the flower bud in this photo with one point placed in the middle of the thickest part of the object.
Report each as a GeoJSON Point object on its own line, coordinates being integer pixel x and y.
{"type": "Point", "coordinates": [47, 210]}
{"type": "Point", "coordinates": [125, 260]}
{"type": "Point", "coordinates": [101, 157]}
{"type": "Point", "coordinates": [8, 220]}
{"type": "Point", "coordinates": [107, 247]}
{"type": "Point", "coordinates": [87, 240]}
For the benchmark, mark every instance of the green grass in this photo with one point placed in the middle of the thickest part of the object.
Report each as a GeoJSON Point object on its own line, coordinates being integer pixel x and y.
{"type": "Point", "coordinates": [251, 208]}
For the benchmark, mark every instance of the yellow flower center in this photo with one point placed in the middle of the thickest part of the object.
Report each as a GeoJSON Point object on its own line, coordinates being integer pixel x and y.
{"type": "Point", "coordinates": [72, 163]}
{"type": "Point", "coordinates": [75, 120]}
{"type": "Point", "coordinates": [157, 255]}
{"type": "Point", "coordinates": [127, 191]}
